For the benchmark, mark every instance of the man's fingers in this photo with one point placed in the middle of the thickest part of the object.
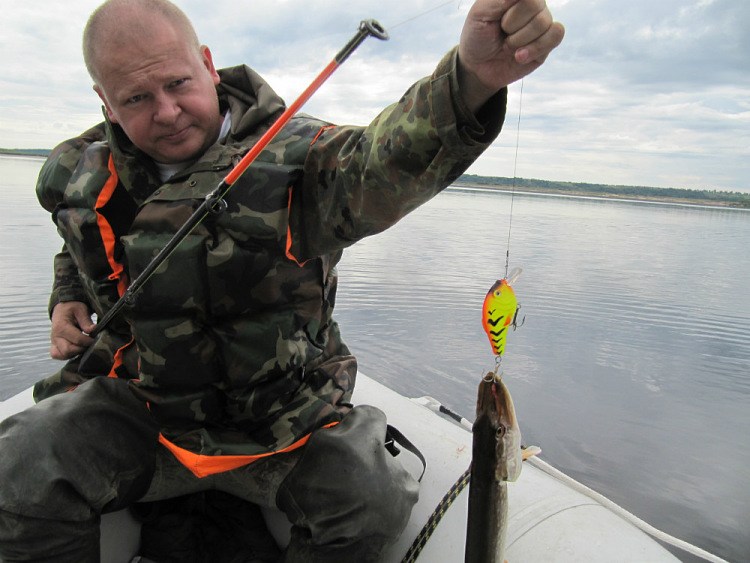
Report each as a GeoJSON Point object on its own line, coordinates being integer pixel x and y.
{"type": "Point", "coordinates": [530, 31]}
{"type": "Point", "coordinates": [73, 335]}
{"type": "Point", "coordinates": [54, 353]}
{"type": "Point", "coordinates": [540, 48]}
{"type": "Point", "coordinates": [523, 13]}
{"type": "Point", "coordinates": [70, 323]}
{"type": "Point", "coordinates": [501, 42]}
{"type": "Point", "coordinates": [84, 321]}
{"type": "Point", "coordinates": [63, 350]}
{"type": "Point", "coordinates": [490, 10]}
{"type": "Point", "coordinates": [57, 353]}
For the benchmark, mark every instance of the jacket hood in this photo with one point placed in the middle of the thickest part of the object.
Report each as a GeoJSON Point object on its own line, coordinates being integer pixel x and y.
{"type": "Point", "coordinates": [250, 98]}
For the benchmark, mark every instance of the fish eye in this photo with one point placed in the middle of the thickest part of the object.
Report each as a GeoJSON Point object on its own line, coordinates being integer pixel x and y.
{"type": "Point", "coordinates": [500, 432]}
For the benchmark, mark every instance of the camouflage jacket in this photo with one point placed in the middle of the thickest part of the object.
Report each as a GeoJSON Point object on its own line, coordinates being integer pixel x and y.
{"type": "Point", "coordinates": [232, 342]}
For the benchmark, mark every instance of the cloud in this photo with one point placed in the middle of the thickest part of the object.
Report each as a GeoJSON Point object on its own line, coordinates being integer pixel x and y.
{"type": "Point", "coordinates": [654, 44]}
{"type": "Point", "coordinates": [640, 92]}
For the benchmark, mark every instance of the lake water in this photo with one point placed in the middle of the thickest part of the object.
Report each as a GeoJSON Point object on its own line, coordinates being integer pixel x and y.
{"type": "Point", "coordinates": [631, 372]}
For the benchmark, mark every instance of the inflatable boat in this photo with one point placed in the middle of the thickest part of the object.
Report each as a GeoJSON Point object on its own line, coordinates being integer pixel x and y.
{"type": "Point", "coordinates": [551, 516]}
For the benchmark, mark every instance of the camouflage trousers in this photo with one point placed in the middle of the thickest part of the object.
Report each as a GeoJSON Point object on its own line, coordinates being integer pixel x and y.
{"type": "Point", "coordinates": [77, 455]}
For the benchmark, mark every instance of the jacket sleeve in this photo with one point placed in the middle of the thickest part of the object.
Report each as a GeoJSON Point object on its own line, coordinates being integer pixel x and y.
{"type": "Point", "coordinates": [50, 189]}
{"type": "Point", "coordinates": [67, 285]}
{"type": "Point", "coordinates": [359, 181]}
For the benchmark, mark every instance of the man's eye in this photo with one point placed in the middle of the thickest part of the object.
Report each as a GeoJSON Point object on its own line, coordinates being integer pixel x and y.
{"type": "Point", "coordinates": [134, 99]}
{"type": "Point", "coordinates": [178, 82]}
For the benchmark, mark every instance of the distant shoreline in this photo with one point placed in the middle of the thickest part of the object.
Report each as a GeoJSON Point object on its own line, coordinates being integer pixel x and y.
{"type": "Point", "coordinates": [730, 200]}
{"type": "Point", "coordinates": [41, 153]}
{"type": "Point", "coordinates": [608, 196]}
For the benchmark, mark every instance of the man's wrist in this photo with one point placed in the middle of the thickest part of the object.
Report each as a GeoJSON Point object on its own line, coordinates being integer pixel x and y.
{"type": "Point", "coordinates": [473, 92]}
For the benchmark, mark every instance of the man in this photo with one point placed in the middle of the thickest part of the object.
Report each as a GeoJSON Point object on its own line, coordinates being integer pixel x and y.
{"type": "Point", "coordinates": [228, 371]}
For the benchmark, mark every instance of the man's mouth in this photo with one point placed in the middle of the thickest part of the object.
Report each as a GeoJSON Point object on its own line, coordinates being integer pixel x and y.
{"type": "Point", "coordinates": [177, 136]}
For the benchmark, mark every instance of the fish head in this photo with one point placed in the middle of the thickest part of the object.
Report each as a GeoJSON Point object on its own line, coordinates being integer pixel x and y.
{"type": "Point", "coordinates": [496, 406]}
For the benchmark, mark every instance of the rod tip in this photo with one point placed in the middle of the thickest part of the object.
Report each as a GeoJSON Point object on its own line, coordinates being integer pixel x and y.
{"type": "Point", "coordinates": [374, 28]}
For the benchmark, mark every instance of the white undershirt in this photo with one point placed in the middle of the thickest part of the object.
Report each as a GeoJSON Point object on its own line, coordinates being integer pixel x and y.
{"type": "Point", "coordinates": [167, 170]}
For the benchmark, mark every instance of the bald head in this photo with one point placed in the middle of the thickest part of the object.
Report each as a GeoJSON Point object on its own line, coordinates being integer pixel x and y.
{"type": "Point", "coordinates": [157, 83]}
{"type": "Point", "coordinates": [119, 22]}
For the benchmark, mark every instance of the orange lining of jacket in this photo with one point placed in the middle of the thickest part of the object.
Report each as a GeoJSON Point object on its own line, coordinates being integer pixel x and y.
{"type": "Point", "coordinates": [108, 239]}
{"type": "Point", "coordinates": [105, 229]}
{"type": "Point", "coordinates": [118, 359]}
{"type": "Point", "coordinates": [288, 247]}
{"type": "Point", "coordinates": [204, 465]}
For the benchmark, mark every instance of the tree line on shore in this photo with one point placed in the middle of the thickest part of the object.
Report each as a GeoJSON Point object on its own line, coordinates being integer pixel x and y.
{"type": "Point", "coordinates": [707, 196]}
{"type": "Point", "coordinates": [26, 152]}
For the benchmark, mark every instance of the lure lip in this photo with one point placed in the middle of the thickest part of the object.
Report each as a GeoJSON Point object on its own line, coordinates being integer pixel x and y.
{"type": "Point", "coordinates": [513, 276]}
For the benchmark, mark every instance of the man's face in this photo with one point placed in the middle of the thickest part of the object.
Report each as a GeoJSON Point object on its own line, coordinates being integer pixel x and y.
{"type": "Point", "coordinates": [162, 91]}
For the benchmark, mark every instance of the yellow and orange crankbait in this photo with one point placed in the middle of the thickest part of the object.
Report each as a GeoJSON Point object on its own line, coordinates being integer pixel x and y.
{"type": "Point", "coordinates": [500, 311]}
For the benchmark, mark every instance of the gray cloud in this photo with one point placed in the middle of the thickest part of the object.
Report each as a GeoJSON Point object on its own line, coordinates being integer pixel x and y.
{"type": "Point", "coordinates": [653, 44]}
{"type": "Point", "coordinates": [643, 92]}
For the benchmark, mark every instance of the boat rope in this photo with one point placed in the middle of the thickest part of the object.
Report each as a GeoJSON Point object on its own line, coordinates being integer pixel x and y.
{"type": "Point", "coordinates": [437, 515]}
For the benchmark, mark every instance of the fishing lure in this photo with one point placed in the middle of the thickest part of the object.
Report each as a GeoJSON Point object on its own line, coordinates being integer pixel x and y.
{"type": "Point", "coordinates": [500, 311]}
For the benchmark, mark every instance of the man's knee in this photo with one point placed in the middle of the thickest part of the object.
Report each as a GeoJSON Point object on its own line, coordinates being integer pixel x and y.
{"type": "Point", "coordinates": [347, 487]}
{"type": "Point", "coordinates": [30, 467]}
{"type": "Point", "coordinates": [75, 455]}
{"type": "Point", "coordinates": [41, 516]}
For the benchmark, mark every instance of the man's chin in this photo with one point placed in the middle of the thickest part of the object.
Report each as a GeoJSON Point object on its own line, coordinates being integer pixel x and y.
{"type": "Point", "coordinates": [183, 148]}
{"type": "Point", "coordinates": [177, 154]}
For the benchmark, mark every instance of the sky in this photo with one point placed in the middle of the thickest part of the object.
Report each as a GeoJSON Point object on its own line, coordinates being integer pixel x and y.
{"type": "Point", "coordinates": [644, 92]}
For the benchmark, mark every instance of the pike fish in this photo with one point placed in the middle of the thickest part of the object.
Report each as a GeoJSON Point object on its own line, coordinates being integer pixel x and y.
{"type": "Point", "coordinates": [496, 459]}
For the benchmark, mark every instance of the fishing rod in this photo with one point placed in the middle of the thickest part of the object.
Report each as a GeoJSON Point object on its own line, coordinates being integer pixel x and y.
{"type": "Point", "coordinates": [214, 202]}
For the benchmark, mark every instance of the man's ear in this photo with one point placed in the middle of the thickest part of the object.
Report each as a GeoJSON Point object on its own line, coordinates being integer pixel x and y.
{"type": "Point", "coordinates": [209, 64]}
{"type": "Point", "coordinates": [103, 98]}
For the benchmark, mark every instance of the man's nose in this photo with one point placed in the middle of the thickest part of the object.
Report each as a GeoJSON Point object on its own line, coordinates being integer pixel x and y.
{"type": "Point", "coordinates": [167, 109]}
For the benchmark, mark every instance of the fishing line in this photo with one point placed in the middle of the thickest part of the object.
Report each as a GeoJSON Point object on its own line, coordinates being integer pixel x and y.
{"type": "Point", "coordinates": [513, 186]}
{"type": "Point", "coordinates": [412, 18]}
{"type": "Point", "coordinates": [518, 127]}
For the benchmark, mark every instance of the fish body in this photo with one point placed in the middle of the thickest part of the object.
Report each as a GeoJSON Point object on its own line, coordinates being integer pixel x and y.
{"type": "Point", "coordinates": [498, 313]}
{"type": "Point", "coordinates": [496, 459]}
